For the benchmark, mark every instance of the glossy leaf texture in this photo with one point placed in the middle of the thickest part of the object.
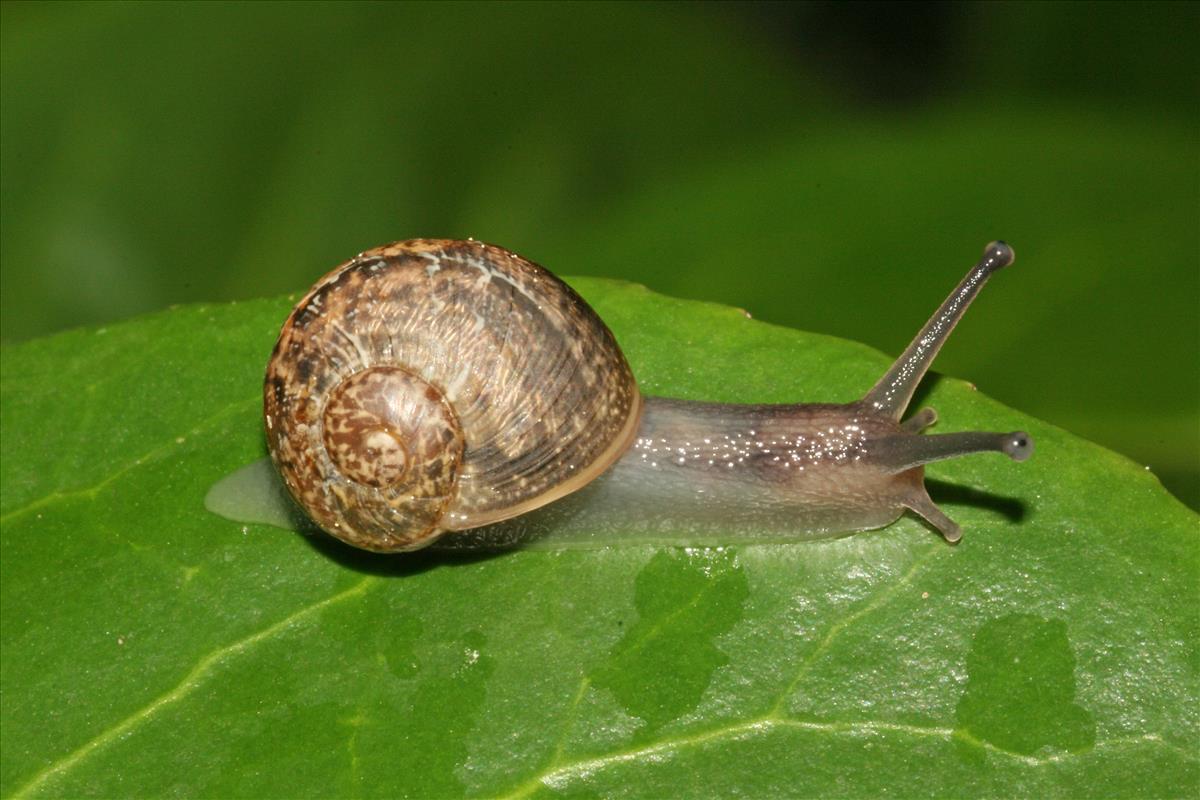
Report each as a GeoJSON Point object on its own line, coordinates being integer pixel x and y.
{"type": "Point", "coordinates": [151, 648]}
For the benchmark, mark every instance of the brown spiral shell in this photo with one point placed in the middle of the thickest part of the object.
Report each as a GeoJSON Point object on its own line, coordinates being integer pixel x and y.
{"type": "Point", "coordinates": [434, 385]}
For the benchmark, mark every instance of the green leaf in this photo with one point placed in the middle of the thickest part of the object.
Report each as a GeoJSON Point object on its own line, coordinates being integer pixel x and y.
{"type": "Point", "coordinates": [152, 648]}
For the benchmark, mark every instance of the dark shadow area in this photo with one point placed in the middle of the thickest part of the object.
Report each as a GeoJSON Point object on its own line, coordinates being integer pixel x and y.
{"type": "Point", "coordinates": [391, 565]}
{"type": "Point", "coordinates": [924, 390]}
{"type": "Point", "coordinates": [943, 493]}
{"type": "Point", "coordinates": [890, 55]}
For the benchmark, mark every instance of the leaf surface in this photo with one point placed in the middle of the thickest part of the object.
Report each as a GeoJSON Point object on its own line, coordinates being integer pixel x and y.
{"type": "Point", "coordinates": [152, 648]}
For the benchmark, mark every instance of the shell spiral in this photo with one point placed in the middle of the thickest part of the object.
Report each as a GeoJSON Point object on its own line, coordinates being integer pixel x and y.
{"type": "Point", "coordinates": [433, 385]}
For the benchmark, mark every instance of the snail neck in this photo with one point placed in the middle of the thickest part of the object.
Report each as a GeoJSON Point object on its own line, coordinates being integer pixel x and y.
{"type": "Point", "coordinates": [762, 444]}
{"type": "Point", "coordinates": [710, 473]}
{"type": "Point", "coordinates": [798, 466]}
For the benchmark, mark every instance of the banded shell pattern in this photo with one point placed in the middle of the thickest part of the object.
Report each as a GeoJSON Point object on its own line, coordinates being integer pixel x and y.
{"type": "Point", "coordinates": [433, 385]}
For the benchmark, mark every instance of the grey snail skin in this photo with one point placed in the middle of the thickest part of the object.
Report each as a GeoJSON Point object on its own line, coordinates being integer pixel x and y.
{"type": "Point", "coordinates": [437, 390]}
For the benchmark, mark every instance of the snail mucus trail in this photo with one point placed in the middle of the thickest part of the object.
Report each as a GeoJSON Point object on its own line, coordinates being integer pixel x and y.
{"type": "Point", "coordinates": [453, 392]}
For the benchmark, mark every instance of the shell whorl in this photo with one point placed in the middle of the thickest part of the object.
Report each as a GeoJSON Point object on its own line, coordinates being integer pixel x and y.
{"type": "Point", "coordinates": [435, 385]}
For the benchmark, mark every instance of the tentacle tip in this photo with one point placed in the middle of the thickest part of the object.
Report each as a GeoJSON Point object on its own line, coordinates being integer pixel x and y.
{"type": "Point", "coordinates": [997, 255]}
{"type": "Point", "coordinates": [953, 535]}
{"type": "Point", "coordinates": [1018, 445]}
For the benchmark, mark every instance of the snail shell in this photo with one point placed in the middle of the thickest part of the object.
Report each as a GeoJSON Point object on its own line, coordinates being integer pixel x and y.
{"type": "Point", "coordinates": [433, 385]}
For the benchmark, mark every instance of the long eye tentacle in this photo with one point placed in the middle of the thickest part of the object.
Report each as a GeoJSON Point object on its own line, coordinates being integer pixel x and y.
{"type": "Point", "coordinates": [905, 451]}
{"type": "Point", "coordinates": [891, 395]}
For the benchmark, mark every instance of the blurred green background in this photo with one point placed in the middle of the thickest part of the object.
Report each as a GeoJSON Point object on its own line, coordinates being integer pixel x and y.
{"type": "Point", "coordinates": [828, 166]}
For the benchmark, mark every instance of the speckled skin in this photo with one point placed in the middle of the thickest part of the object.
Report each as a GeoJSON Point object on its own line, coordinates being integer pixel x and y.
{"type": "Point", "coordinates": [515, 393]}
{"type": "Point", "coordinates": [808, 467]}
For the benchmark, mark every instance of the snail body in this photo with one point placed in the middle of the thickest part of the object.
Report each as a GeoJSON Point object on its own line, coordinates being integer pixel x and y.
{"type": "Point", "coordinates": [430, 387]}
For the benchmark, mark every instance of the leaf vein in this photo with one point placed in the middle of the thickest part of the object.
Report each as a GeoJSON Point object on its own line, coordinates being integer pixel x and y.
{"type": "Point", "coordinates": [147, 458]}
{"type": "Point", "coordinates": [585, 680]}
{"type": "Point", "coordinates": [837, 628]}
{"type": "Point", "coordinates": [560, 776]}
{"type": "Point", "coordinates": [196, 676]}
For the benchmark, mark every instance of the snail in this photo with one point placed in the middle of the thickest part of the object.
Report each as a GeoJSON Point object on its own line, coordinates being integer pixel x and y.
{"type": "Point", "coordinates": [434, 388]}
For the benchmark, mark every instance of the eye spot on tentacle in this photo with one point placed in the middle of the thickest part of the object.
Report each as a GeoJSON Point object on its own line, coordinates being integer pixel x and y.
{"type": "Point", "coordinates": [1018, 446]}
